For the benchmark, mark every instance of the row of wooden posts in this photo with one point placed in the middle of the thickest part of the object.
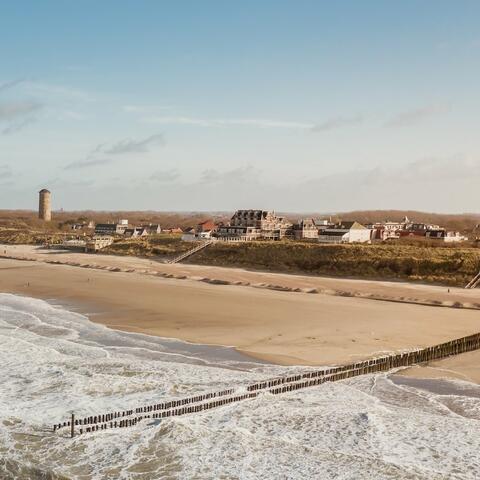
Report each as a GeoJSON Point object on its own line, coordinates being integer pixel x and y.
{"type": "Point", "coordinates": [107, 417]}
{"type": "Point", "coordinates": [274, 386]}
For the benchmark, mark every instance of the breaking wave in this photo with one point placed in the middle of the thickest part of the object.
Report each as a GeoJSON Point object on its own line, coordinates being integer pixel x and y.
{"type": "Point", "coordinates": [53, 362]}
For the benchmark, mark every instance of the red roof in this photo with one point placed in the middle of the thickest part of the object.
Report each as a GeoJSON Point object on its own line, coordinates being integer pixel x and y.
{"type": "Point", "coordinates": [206, 226]}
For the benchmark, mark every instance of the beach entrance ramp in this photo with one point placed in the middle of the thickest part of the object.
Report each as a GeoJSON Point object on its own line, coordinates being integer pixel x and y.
{"type": "Point", "coordinates": [190, 252]}
{"type": "Point", "coordinates": [474, 282]}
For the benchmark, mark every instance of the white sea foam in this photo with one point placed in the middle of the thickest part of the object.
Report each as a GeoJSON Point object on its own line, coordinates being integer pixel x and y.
{"type": "Point", "coordinates": [53, 362]}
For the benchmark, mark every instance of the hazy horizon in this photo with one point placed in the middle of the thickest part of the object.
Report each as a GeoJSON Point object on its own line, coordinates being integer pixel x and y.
{"type": "Point", "coordinates": [391, 212]}
{"type": "Point", "coordinates": [293, 106]}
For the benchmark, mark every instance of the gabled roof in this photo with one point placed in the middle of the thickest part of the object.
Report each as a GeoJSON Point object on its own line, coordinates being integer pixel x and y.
{"type": "Point", "coordinates": [106, 225]}
{"type": "Point", "coordinates": [351, 226]}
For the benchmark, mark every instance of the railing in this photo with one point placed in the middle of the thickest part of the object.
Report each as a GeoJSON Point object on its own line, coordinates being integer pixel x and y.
{"type": "Point", "coordinates": [474, 282]}
{"type": "Point", "coordinates": [273, 386]}
{"type": "Point", "coordinates": [190, 252]}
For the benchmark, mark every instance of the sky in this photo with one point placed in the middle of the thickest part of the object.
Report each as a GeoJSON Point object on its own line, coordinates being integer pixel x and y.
{"type": "Point", "coordinates": [313, 106]}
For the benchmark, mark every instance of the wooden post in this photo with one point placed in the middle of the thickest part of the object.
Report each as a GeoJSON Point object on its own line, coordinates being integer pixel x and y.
{"type": "Point", "coordinates": [72, 426]}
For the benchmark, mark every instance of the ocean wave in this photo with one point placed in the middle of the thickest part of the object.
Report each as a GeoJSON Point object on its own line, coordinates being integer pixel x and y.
{"type": "Point", "coordinates": [54, 362]}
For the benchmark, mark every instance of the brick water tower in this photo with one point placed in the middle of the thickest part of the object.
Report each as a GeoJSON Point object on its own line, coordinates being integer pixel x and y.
{"type": "Point", "coordinates": [45, 205]}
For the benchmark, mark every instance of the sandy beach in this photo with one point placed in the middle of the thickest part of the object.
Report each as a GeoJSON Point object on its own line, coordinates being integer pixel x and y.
{"type": "Point", "coordinates": [225, 308]}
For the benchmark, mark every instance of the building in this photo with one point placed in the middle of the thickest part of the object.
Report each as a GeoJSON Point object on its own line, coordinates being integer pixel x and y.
{"type": "Point", "coordinates": [44, 205]}
{"type": "Point", "coordinates": [83, 225]}
{"type": "Point", "coordinates": [97, 243]}
{"type": "Point", "coordinates": [445, 236]}
{"type": "Point", "coordinates": [345, 232]}
{"type": "Point", "coordinates": [152, 229]}
{"type": "Point", "coordinates": [385, 230]}
{"type": "Point", "coordinates": [305, 228]}
{"type": "Point", "coordinates": [136, 232]}
{"type": "Point", "coordinates": [246, 225]}
{"type": "Point", "coordinates": [189, 235]}
{"type": "Point", "coordinates": [110, 228]}
{"type": "Point", "coordinates": [419, 230]}
{"type": "Point", "coordinates": [203, 231]}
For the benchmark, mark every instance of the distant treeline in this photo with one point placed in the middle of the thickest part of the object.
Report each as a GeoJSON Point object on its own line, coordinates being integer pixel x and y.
{"type": "Point", "coordinates": [462, 222]}
{"type": "Point", "coordinates": [63, 220]}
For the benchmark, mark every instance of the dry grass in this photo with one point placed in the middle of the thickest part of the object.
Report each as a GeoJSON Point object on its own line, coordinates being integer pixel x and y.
{"type": "Point", "coordinates": [448, 266]}
{"type": "Point", "coordinates": [161, 245]}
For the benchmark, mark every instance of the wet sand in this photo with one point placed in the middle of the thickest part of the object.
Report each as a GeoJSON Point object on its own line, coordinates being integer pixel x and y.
{"type": "Point", "coordinates": [460, 367]}
{"type": "Point", "coordinates": [284, 327]}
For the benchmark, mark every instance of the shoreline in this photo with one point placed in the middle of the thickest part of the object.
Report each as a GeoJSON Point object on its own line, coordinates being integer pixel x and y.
{"type": "Point", "coordinates": [276, 326]}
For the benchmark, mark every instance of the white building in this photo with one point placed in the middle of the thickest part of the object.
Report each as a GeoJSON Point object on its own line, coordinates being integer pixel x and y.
{"type": "Point", "coordinates": [445, 236]}
{"type": "Point", "coordinates": [345, 232]}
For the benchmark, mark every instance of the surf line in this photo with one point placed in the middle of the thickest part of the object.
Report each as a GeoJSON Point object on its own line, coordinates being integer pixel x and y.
{"type": "Point", "coordinates": [274, 386]}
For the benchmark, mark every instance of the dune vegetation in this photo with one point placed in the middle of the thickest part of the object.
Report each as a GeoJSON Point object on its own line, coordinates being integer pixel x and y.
{"type": "Point", "coordinates": [162, 245]}
{"type": "Point", "coordinates": [421, 262]}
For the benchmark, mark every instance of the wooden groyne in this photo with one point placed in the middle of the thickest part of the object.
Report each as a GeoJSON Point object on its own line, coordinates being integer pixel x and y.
{"type": "Point", "coordinates": [273, 386]}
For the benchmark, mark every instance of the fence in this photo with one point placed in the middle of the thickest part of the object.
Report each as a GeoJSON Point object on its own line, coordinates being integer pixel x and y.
{"type": "Point", "coordinates": [274, 386]}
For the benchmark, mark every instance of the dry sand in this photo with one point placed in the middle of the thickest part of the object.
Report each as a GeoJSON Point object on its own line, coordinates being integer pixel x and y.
{"type": "Point", "coordinates": [282, 327]}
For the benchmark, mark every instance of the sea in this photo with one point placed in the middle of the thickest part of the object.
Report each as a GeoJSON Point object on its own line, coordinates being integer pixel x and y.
{"type": "Point", "coordinates": [54, 362]}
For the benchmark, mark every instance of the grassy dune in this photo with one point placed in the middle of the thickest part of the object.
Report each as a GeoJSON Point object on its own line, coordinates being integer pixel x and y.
{"type": "Point", "coordinates": [448, 266]}
{"type": "Point", "coordinates": [14, 236]}
{"type": "Point", "coordinates": [152, 246]}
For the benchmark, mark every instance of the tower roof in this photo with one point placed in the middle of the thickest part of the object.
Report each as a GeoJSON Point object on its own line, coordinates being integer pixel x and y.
{"type": "Point", "coordinates": [44, 190]}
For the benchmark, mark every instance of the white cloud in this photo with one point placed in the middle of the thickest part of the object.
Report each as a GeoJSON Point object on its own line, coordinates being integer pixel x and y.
{"type": "Point", "coordinates": [12, 110]}
{"type": "Point", "coordinates": [165, 175]}
{"type": "Point", "coordinates": [5, 172]}
{"type": "Point", "coordinates": [330, 124]}
{"type": "Point", "coordinates": [226, 122]}
{"type": "Point", "coordinates": [240, 175]}
{"type": "Point", "coordinates": [417, 115]}
{"type": "Point", "coordinates": [135, 146]}
{"type": "Point", "coordinates": [11, 84]}
{"type": "Point", "coordinates": [337, 122]}
{"type": "Point", "coordinates": [16, 115]}
{"type": "Point", "coordinates": [55, 91]}
{"type": "Point", "coordinates": [87, 163]}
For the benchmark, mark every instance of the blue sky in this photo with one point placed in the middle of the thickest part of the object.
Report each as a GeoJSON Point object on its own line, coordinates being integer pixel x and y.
{"type": "Point", "coordinates": [217, 105]}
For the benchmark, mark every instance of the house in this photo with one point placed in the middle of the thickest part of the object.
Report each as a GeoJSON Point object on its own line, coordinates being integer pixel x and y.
{"type": "Point", "coordinates": [385, 230]}
{"type": "Point", "coordinates": [246, 225]}
{"type": "Point", "coordinates": [189, 235]}
{"type": "Point", "coordinates": [152, 229]}
{"type": "Point", "coordinates": [345, 232]}
{"type": "Point", "coordinates": [305, 228]}
{"type": "Point", "coordinates": [82, 226]}
{"type": "Point", "coordinates": [444, 236]}
{"type": "Point", "coordinates": [419, 230]}
{"type": "Point", "coordinates": [136, 232]}
{"type": "Point", "coordinates": [203, 231]}
{"type": "Point", "coordinates": [110, 229]}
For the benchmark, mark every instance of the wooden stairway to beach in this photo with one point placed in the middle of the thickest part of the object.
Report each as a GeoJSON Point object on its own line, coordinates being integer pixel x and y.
{"type": "Point", "coordinates": [190, 252]}
{"type": "Point", "coordinates": [474, 282]}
